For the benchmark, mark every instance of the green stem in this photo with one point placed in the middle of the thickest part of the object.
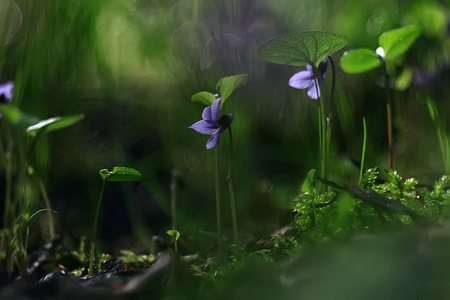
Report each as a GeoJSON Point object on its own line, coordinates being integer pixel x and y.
{"type": "Point", "coordinates": [323, 133]}
{"type": "Point", "coordinates": [25, 251]}
{"type": "Point", "coordinates": [218, 205]}
{"type": "Point", "coordinates": [363, 154]}
{"type": "Point", "coordinates": [231, 191]}
{"type": "Point", "coordinates": [8, 189]}
{"type": "Point", "coordinates": [94, 228]}
{"type": "Point", "coordinates": [51, 220]}
{"type": "Point", "coordinates": [389, 114]}
{"type": "Point", "coordinates": [173, 199]}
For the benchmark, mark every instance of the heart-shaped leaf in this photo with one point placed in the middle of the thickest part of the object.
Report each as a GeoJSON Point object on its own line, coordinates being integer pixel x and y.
{"type": "Point", "coordinates": [53, 124]}
{"type": "Point", "coordinates": [121, 174]}
{"type": "Point", "coordinates": [396, 42]}
{"type": "Point", "coordinates": [205, 98]}
{"type": "Point", "coordinates": [301, 48]}
{"type": "Point", "coordinates": [227, 85]}
{"type": "Point", "coordinates": [360, 60]}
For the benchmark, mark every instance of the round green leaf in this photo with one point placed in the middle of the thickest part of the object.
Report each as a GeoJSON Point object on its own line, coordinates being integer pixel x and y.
{"type": "Point", "coordinates": [227, 85]}
{"type": "Point", "coordinates": [205, 98]}
{"type": "Point", "coordinates": [121, 174]}
{"type": "Point", "coordinates": [398, 41]}
{"type": "Point", "coordinates": [301, 48]}
{"type": "Point", "coordinates": [53, 124]}
{"type": "Point", "coordinates": [359, 61]}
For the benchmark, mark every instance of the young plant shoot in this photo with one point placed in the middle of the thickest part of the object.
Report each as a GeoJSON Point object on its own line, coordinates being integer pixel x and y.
{"type": "Point", "coordinates": [117, 174]}
{"type": "Point", "coordinates": [393, 43]}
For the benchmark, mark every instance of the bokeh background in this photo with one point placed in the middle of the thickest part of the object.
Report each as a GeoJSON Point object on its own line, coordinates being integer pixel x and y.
{"type": "Point", "coordinates": [131, 66]}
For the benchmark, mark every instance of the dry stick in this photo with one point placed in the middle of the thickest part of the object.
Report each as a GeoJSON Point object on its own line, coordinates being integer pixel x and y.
{"type": "Point", "coordinates": [389, 115]}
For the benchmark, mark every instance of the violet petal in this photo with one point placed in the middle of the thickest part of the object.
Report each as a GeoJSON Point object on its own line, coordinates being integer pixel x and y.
{"type": "Point", "coordinates": [301, 80]}
{"type": "Point", "coordinates": [212, 142]}
{"type": "Point", "coordinates": [203, 127]}
{"type": "Point", "coordinates": [215, 109]}
{"type": "Point", "coordinates": [314, 90]}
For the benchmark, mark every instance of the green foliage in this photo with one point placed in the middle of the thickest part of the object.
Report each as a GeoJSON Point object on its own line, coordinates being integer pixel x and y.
{"type": "Point", "coordinates": [430, 203]}
{"type": "Point", "coordinates": [138, 261]}
{"type": "Point", "coordinates": [301, 48]}
{"type": "Point", "coordinates": [308, 185]}
{"type": "Point", "coordinates": [276, 249]}
{"type": "Point", "coordinates": [121, 174]}
{"type": "Point", "coordinates": [369, 178]}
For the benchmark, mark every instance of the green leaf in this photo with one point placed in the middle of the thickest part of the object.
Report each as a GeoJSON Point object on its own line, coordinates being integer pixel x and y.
{"type": "Point", "coordinates": [14, 116]}
{"type": "Point", "coordinates": [404, 79]}
{"type": "Point", "coordinates": [398, 41]}
{"type": "Point", "coordinates": [27, 218]}
{"type": "Point", "coordinates": [174, 234]}
{"type": "Point", "coordinates": [121, 174]}
{"type": "Point", "coordinates": [227, 85]}
{"type": "Point", "coordinates": [53, 124]}
{"type": "Point", "coordinates": [301, 48]}
{"type": "Point", "coordinates": [308, 183]}
{"type": "Point", "coordinates": [203, 97]}
{"type": "Point", "coordinates": [11, 113]}
{"type": "Point", "coordinates": [359, 61]}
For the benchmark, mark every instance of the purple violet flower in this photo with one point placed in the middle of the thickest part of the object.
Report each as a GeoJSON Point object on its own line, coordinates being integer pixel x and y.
{"type": "Point", "coordinates": [6, 92]}
{"type": "Point", "coordinates": [305, 79]}
{"type": "Point", "coordinates": [212, 123]}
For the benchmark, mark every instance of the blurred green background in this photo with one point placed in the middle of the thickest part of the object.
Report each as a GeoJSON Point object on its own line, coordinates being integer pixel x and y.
{"type": "Point", "coordinates": [131, 67]}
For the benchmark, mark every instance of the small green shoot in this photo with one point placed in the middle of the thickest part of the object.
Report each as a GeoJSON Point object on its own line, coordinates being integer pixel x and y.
{"type": "Point", "coordinates": [175, 236]}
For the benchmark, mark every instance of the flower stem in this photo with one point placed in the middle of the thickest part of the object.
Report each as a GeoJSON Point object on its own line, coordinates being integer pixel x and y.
{"type": "Point", "coordinates": [218, 205]}
{"type": "Point", "coordinates": [322, 133]}
{"type": "Point", "coordinates": [231, 191]}
{"type": "Point", "coordinates": [389, 114]}
{"type": "Point", "coordinates": [363, 154]}
{"type": "Point", "coordinates": [173, 198]}
{"type": "Point", "coordinates": [51, 220]}
{"type": "Point", "coordinates": [94, 228]}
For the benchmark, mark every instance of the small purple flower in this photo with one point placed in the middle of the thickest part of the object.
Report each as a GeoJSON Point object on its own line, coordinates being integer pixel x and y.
{"type": "Point", "coordinates": [6, 92]}
{"type": "Point", "coordinates": [212, 123]}
{"type": "Point", "coordinates": [305, 79]}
